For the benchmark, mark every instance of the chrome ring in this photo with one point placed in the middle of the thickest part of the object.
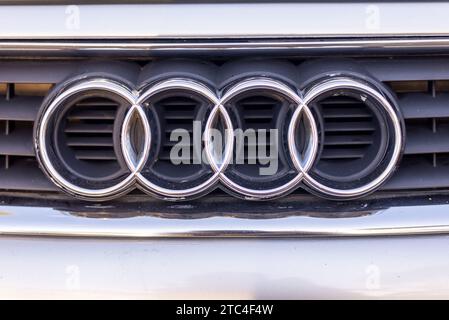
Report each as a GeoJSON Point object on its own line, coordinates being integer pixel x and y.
{"type": "Point", "coordinates": [147, 185]}
{"type": "Point", "coordinates": [301, 109]}
{"type": "Point", "coordinates": [41, 143]}
{"type": "Point", "coordinates": [346, 83]}
{"type": "Point", "coordinates": [133, 161]}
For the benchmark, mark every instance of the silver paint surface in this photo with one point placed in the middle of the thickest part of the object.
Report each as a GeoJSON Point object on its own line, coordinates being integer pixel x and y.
{"type": "Point", "coordinates": [156, 21]}
{"type": "Point", "coordinates": [223, 269]}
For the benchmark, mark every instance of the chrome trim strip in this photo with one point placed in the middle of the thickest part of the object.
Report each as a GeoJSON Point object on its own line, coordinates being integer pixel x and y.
{"type": "Point", "coordinates": [395, 221]}
{"type": "Point", "coordinates": [152, 48]}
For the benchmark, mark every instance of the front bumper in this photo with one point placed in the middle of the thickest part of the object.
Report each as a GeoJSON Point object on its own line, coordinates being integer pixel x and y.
{"type": "Point", "coordinates": [369, 252]}
{"type": "Point", "coordinates": [387, 267]}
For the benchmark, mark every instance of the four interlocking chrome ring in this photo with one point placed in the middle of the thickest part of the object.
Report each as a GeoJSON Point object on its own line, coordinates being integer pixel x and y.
{"type": "Point", "coordinates": [135, 161]}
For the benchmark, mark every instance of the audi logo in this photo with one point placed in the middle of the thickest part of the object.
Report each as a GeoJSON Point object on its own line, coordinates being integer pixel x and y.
{"type": "Point", "coordinates": [136, 121]}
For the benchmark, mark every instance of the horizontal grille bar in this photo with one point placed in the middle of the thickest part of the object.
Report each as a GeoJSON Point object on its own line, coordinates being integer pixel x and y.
{"type": "Point", "coordinates": [418, 174]}
{"type": "Point", "coordinates": [17, 143]}
{"type": "Point", "coordinates": [24, 174]}
{"type": "Point", "coordinates": [420, 105]}
{"type": "Point", "coordinates": [423, 140]}
{"type": "Point", "coordinates": [20, 108]}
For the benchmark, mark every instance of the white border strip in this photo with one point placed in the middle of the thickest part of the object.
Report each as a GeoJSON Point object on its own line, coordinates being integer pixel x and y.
{"type": "Point", "coordinates": [155, 21]}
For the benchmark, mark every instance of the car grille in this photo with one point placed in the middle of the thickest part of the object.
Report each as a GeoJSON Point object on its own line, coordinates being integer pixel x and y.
{"type": "Point", "coordinates": [421, 87]}
{"type": "Point", "coordinates": [178, 112]}
{"type": "Point", "coordinates": [425, 106]}
{"type": "Point", "coordinates": [89, 129]}
{"type": "Point", "coordinates": [20, 103]}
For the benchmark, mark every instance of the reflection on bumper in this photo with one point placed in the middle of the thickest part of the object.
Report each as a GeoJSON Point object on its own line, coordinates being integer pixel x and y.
{"type": "Point", "coordinates": [394, 221]}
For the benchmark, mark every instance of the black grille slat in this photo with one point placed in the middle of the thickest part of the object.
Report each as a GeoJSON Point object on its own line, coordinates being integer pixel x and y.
{"type": "Point", "coordinates": [89, 130]}
{"type": "Point", "coordinates": [346, 140]}
{"type": "Point", "coordinates": [421, 105]}
{"type": "Point", "coordinates": [418, 174]}
{"type": "Point", "coordinates": [258, 116]}
{"type": "Point", "coordinates": [97, 103]}
{"type": "Point", "coordinates": [425, 163]}
{"type": "Point", "coordinates": [177, 113]}
{"type": "Point", "coordinates": [170, 127]}
{"type": "Point", "coordinates": [408, 69]}
{"type": "Point", "coordinates": [179, 104]}
{"type": "Point", "coordinates": [36, 71]}
{"type": "Point", "coordinates": [169, 144]}
{"type": "Point", "coordinates": [20, 108]}
{"type": "Point", "coordinates": [340, 102]}
{"type": "Point", "coordinates": [350, 130]}
{"type": "Point", "coordinates": [344, 113]}
{"type": "Point", "coordinates": [349, 127]}
{"type": "Point", "coordinates": [18, 167]}
{"type": "Point", "coordinates": [165, 156]}
{"type": "Point", "coordinates": [257, 113]}
{"type": "Point", "coordinates": [96, 154]}
{"type": "Point", "coordinates": [17, 143]}
{"type": "Point", "coordinates": [254, 158]}
{"type": "Point", "coordinates": [86, 141]}
{"type": "Point", "coordinates": [342, 153]}
{"type": "Point", "coordinates": [92, 114]}
{"type": "Point", "coordinates": [422, 139]}
{"type": "Point", "coordinates": [24, 174]}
